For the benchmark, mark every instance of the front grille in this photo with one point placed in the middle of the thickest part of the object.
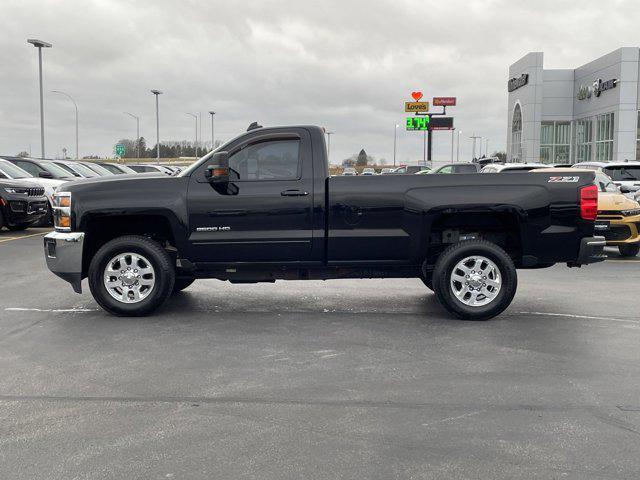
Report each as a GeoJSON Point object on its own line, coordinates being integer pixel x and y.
{"type": "Point", "coordinates": [35, 191]}
{"type": "Point", "coordinates": [617, 233]}
{"type": "Point", "coordinates": [18, 206]}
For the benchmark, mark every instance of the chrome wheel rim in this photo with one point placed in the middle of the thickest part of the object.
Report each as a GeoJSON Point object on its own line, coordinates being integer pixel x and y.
{"type": "Point", "coordinates": [129, 277]}
{"type": "Point", "coordinates": [476, 281]}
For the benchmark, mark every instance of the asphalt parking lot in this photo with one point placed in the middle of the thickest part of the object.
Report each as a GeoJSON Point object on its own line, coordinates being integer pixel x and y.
{"type": "Point", "coordinates": [338, 379]}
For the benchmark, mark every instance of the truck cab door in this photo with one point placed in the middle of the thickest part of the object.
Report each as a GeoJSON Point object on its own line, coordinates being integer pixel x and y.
{"type": "Point", "coordinates": [265, 216]}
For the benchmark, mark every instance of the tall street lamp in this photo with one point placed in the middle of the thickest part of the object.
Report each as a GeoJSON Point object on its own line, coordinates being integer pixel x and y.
{"type": "Point", "coordinates": [76, 106]}
{"type": "Point", "coordinates": [329, 145]}
{"type": "Point", "coordinates": [157, 93]}
{"type": "Point", "coordinates": [458, 147]}
{"type": "Point", "coordinates": [137, 132]}
{"type": "Point", "coordinates": [195, 144]}
{"type": "Point", "coordinates": [395, 141]}
{"type": "Point", "coordinates": [213, 143]}
{"type": "Point", "coordinates": [39, 44]}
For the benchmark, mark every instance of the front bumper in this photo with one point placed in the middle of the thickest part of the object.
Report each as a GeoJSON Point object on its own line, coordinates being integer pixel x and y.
{"type": "Point", "coordinates": [63, 252]}
{"type": "Point", "coordinates": [23, 212]}
{"type": "Point", "coordinates": [591, 251]}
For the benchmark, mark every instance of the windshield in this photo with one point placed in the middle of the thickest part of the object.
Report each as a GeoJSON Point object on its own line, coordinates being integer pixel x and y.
{"type": "Point", "coordinates": [55, 170]}
{"type": "Point", "coordinates": [622, 173]}
{"type": "Point", "coordinates": [12, 171]}
{"type": "Point", "coordinates": [84, 171]}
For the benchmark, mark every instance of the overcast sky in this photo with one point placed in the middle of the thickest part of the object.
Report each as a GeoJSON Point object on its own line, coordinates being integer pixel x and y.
{"type": "Point", "coordinates": [345, 65]}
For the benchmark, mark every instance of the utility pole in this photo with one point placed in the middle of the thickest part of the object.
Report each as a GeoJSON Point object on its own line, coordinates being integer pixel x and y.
{"type": "Point", "coordinates": [137, 132]}
{"type": "Point", "coordinates": [329, 145]}
{"type": "Point", "coordinates": [458, 147]}
{"type": "Point", "coordinates": [452, 132]}
{"type": "Point", "coordinates": [474, 137]}
{"type": "Point", "coordinates": [213, 143]}
{"type": "Point", "coordinates": [486, 150]}
{"type": "Point", "coordinates": [157, 93]}
{"type": "Point", "coordinates": [395, 140]}
{"type": "Point", "coordinates": [195, 144]}
{"type": "Point", "coordinates": [39, 44]}
{"type": "Point", "coordinates": [76, 106]}
{"type": "Point", "coordinates": [424, 146]}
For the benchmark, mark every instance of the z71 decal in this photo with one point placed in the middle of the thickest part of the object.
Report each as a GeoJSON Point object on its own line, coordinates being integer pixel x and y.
{"type": "Point", "coordinates": [564, 179]}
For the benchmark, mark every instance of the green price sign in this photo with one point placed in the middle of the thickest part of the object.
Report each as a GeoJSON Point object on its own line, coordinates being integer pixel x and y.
{"type": "Point", "coordinates": [119, 149]}
{"type": "Point", "coordinates": [418, 123]}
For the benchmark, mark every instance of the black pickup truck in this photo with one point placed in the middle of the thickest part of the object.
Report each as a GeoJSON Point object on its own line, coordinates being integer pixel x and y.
{"type": "Point", "coordinates": [263, 207]}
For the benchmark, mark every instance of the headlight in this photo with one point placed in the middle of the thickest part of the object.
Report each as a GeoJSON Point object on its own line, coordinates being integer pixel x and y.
{"type": "Point", "coordinates": [62, 211]}
{"type": "Point", "coordinates": [631, 213]}
{"type": "Point", "coordinates": [16, 191]}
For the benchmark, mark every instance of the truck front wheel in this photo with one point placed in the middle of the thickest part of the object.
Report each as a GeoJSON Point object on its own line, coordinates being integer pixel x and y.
{"type": "Point", "coordinates": [131, 276]}
{"type": "Point", "coordinates": [475, 280]}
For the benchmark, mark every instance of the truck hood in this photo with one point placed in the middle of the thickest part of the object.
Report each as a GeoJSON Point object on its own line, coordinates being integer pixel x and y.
{"type": "Point", "coordinates": [111, 180]}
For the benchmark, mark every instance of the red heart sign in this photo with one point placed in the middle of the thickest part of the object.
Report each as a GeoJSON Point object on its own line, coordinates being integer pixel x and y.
{"type": "Point", "coordinates": [416, 96]}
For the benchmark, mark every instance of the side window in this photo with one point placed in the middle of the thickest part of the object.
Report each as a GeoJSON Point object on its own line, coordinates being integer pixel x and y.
{"type": "Point", "coordinates": [32, 168]}
{"type": "Point", "coordinates": [269, 160]}
{"type": "Point", "coordinates": [448, 169]}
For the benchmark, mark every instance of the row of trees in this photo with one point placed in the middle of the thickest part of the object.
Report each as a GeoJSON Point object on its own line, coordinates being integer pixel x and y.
{"type": "Point", "coordinates": [183, 148]}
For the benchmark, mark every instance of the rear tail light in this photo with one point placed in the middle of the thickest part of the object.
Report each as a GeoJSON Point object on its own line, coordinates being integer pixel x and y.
{"type": "Point", "coordinates": [589, 202]}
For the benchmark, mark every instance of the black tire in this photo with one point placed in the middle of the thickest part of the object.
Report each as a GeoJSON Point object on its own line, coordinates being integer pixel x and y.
{"type": "Point", "coordinates": [160, 261]}
{"type": "Point", "coordinates": [182, 283]}
{"type": "Point", "coordinates": [446, 264]}
{"type": "Point", "coordinates": [1, 220]}
{"type": "Point", "coordinates": [19, 227]}
{"type": "Point", "coordinates": [629, 250]}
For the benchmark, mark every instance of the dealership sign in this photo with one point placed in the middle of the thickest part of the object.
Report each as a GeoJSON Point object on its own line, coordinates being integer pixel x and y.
{"type": "Point", "coordinates": [444, 101]}
{"type": "Point", "coordinates": [517, 82]}
{"type": "Point", "coordinates": [596, 88]}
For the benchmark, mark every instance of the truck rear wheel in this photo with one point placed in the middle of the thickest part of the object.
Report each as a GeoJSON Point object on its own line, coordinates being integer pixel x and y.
{"type": "Point", "coordinates": [131, 276]}
{"type": "Point", "coordinates": [629, 250]}
{"type": "Point", "coordinates": [475, 280]}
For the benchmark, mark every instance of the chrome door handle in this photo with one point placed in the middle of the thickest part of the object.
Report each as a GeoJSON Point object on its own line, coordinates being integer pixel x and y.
{"type": "Point", "coordinates": [294, 193]}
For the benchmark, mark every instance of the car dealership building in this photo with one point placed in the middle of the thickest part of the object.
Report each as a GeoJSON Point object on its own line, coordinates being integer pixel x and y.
{"type": "Point", "coordinates": [574, 115]}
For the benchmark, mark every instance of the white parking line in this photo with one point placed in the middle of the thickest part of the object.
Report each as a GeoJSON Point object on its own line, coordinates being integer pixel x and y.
{"type": "Point", "coordinates": [584, 317]}
{"type": "Point", "coordinates": [51, 310]}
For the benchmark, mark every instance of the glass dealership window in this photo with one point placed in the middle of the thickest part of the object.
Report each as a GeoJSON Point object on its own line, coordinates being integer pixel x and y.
{"type": "Point", "coordinates": [555, 142]}
{"type": "Point", "coordinates": [604, 137]}
{"type": "Point", "coordinates": [584, 140]}
{"type": "Point", "coordinates": [516, 134]}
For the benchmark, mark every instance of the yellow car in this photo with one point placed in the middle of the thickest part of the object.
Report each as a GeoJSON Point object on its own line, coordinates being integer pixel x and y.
{"type": "Point", "coordinates": [618, 216]}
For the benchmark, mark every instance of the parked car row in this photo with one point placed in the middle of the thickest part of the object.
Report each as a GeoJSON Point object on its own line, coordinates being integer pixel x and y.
{"type": "Point", "coordinates": [48, 175]}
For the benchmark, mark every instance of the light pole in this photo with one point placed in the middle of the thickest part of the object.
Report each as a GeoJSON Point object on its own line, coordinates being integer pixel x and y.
{"type": "Point", "coordinates": [395, 140]}
{"type": "Point", "coordinates": [474, 137]}
{"type": "Point", "coordinates": [196, 144]}
{"type": "Point", "coordinates": [213, 143]}
{"type": "Point", "coordinates": [486, 150]}
{"type": "Point", "coordinates": [329, 145]}
{"type": "Point", "coordinates": [452, 131]}
{"type": "Point", "coordinates": [137, 132]}
{"type": "Point", "coordinates": [458, 147]}
{"type": "Point", "coordinates": [76, 106]}
{"type": "Point", "coordinates": [39, 44]}
{"type": "Point", "coordinates": [157, 93]}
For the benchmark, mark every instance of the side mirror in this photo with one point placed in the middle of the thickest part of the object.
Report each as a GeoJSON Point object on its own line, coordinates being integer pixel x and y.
{"type": "Point", "coordinates": [217, 171]}
{"type": "Point", "coordinates": [625, 189]}
{"type": "Point", "coordinates": [45, 175]}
